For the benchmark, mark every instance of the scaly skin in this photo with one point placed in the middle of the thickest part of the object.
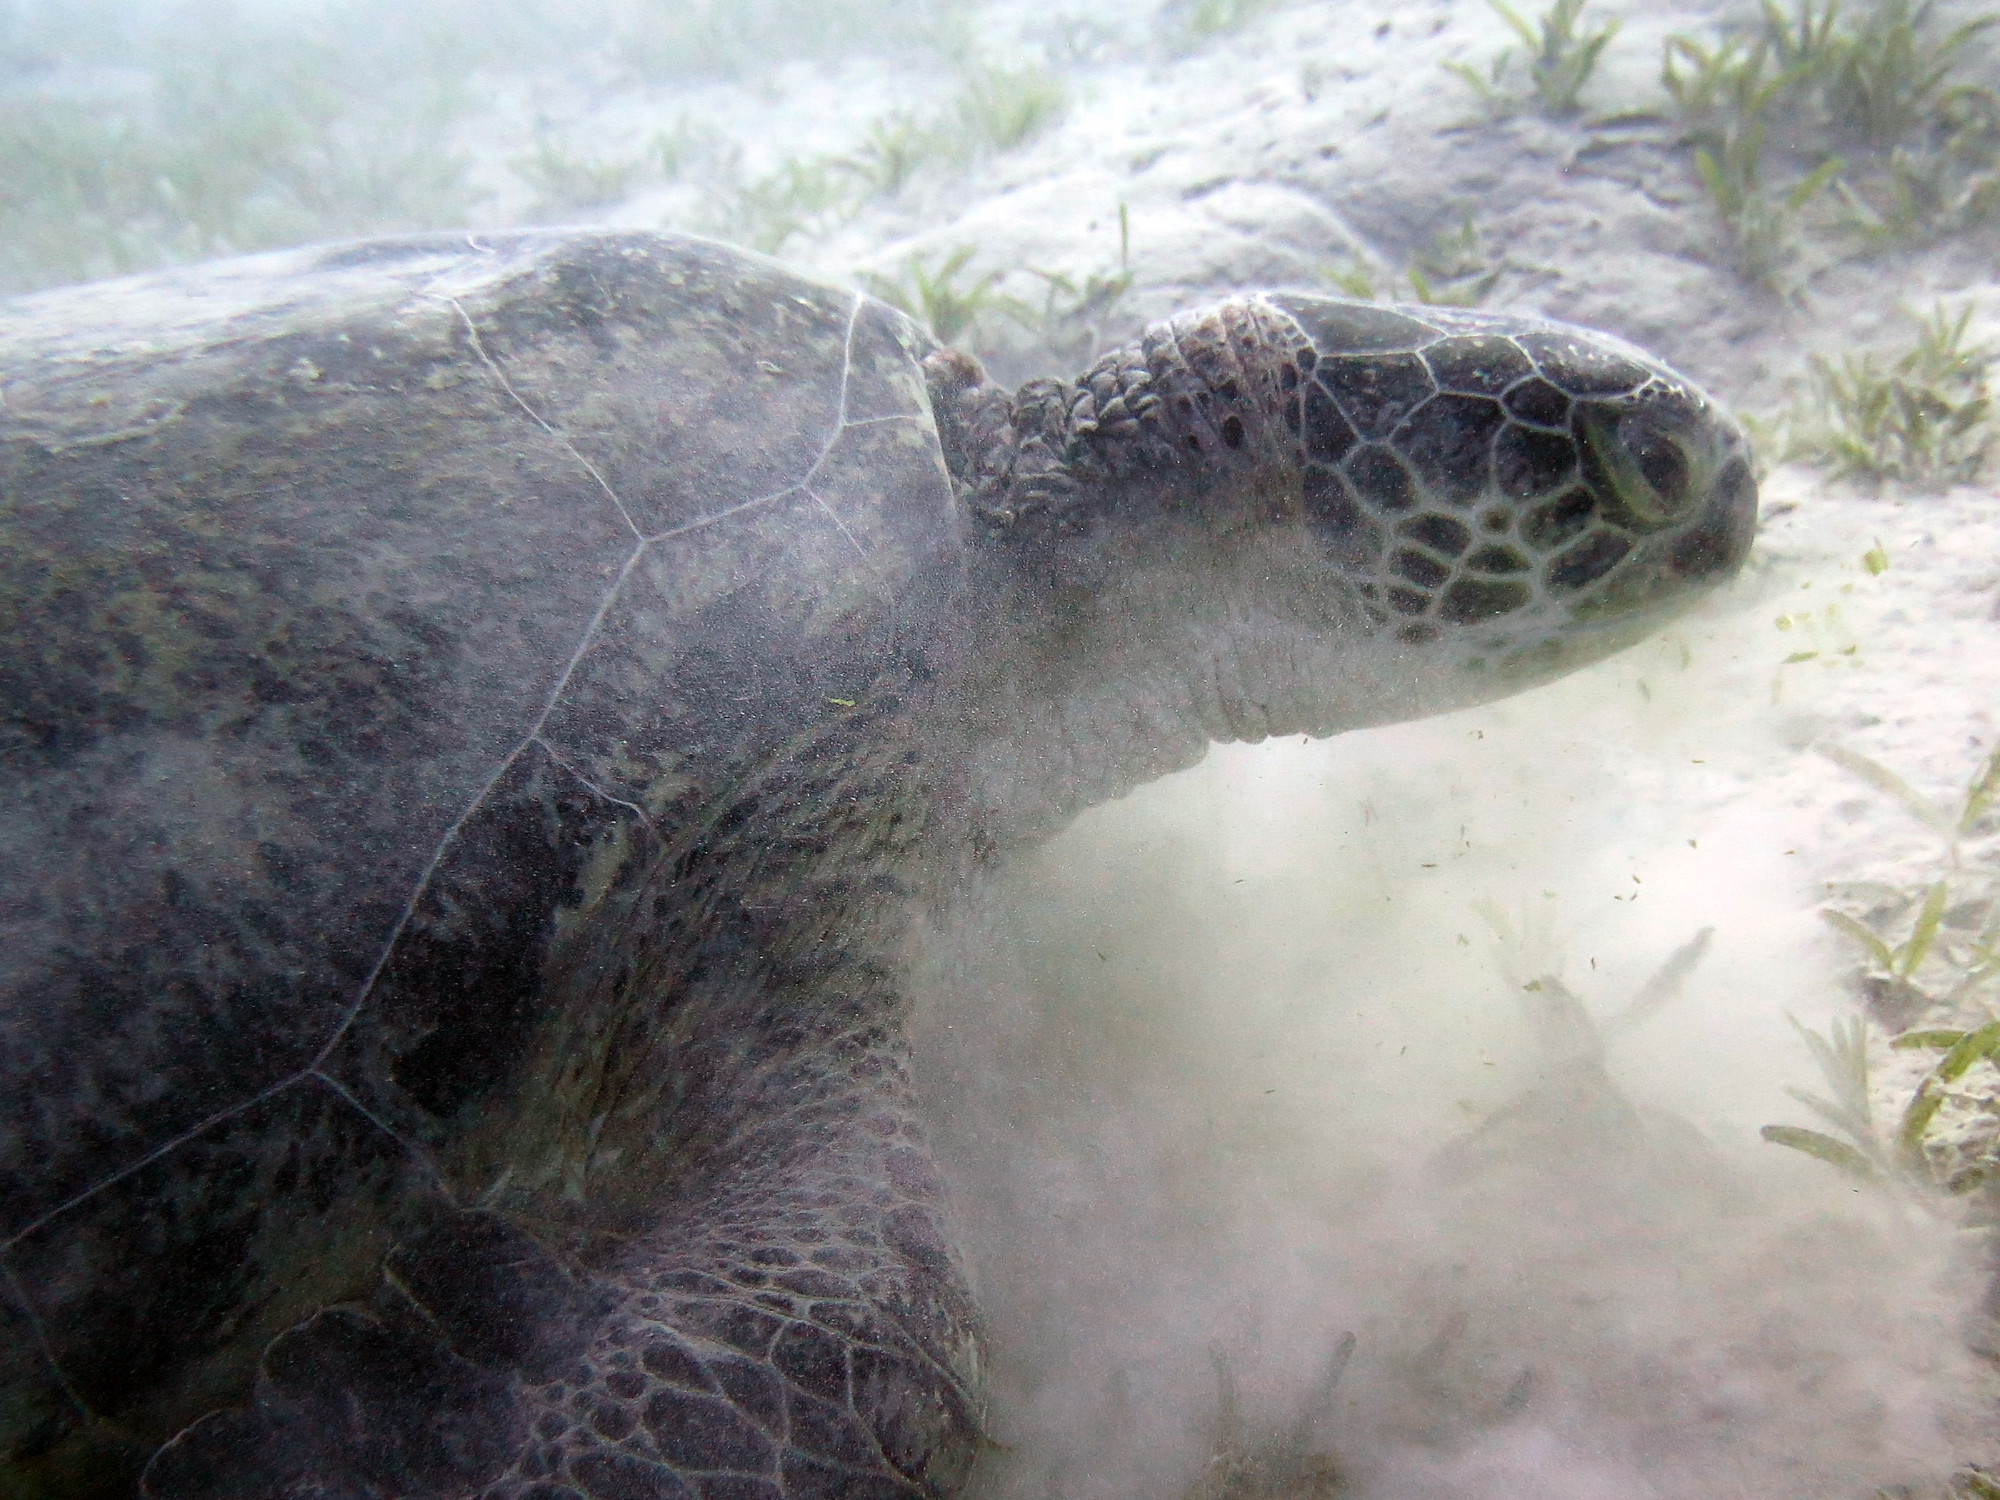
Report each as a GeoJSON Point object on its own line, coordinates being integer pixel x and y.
{"type": "Point", "coordinates": [483, 718]}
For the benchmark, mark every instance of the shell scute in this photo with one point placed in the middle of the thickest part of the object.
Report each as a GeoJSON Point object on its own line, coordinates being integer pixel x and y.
{"type": "Point", "coordinates": [1477, 364]}
{"type": "Point", "coordinates": [374, 626]}
{"type": "Point", "coordinates": [1337, 327]}
{"type": "Point", "coordinates": [1449, 442]}
{"type": "Point", "coordinates": [1579, 367]}
{"type": "Point", "coordinates": [1378, 391]}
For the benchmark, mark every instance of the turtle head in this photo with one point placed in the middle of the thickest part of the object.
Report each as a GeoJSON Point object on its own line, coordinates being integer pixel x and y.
{"type": "Point", "coordinates": [1507, 498]}
{"type": "Point", "coordinates": [1290, 513]}
{"type": "Point", "coordinates": [1396, 510]}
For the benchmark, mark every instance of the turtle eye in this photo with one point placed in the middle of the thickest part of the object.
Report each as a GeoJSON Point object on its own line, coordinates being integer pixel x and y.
{"type": "Point", "coordinates": [1641, 470]}
{"type": "Point", "coordinates": [1662, 462]}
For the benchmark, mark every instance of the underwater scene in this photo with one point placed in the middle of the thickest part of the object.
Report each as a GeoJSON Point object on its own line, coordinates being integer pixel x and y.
{"type": "Point", "coordinates": [1135, 750]}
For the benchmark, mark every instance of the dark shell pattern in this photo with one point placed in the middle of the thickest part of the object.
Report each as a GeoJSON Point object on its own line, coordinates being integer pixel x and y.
{"type": "Point", "coordinates": [390, 634]}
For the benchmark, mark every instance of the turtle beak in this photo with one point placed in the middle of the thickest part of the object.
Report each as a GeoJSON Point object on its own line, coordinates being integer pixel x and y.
{"type": "Point", "coordinates": [1685, 493]}
{"type": "Point", "coordinates": [1715, 546]}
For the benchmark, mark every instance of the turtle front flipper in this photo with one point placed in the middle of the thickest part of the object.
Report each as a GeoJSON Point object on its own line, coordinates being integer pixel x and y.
{"type": "Point", "coordinates": [800, 1328]}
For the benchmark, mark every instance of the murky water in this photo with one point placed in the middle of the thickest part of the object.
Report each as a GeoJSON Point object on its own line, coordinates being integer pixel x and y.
{"type": "Point", "coordinates": [1456, 1037]}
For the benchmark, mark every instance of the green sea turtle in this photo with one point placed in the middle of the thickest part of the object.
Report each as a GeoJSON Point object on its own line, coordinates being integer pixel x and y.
{"type": "Point", "coordinates": [480, 714]}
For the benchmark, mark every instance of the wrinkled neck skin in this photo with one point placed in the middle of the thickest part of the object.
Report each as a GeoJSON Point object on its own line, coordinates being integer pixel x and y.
{"type": "Point", "coordinates": [1113, 659]}
{"type": "Point", "coordinates": [1138, 595]}
{"type": "Point", "coordinates": [1133, 600]}
{"type": "Point", "coordinates": [1101, 661]}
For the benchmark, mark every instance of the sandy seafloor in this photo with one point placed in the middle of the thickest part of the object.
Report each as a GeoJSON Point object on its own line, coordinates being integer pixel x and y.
{"type": "Point", "coordinates": [1247, 1060]}
{"type": "Point", "coordinates": [1265, 1071]}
